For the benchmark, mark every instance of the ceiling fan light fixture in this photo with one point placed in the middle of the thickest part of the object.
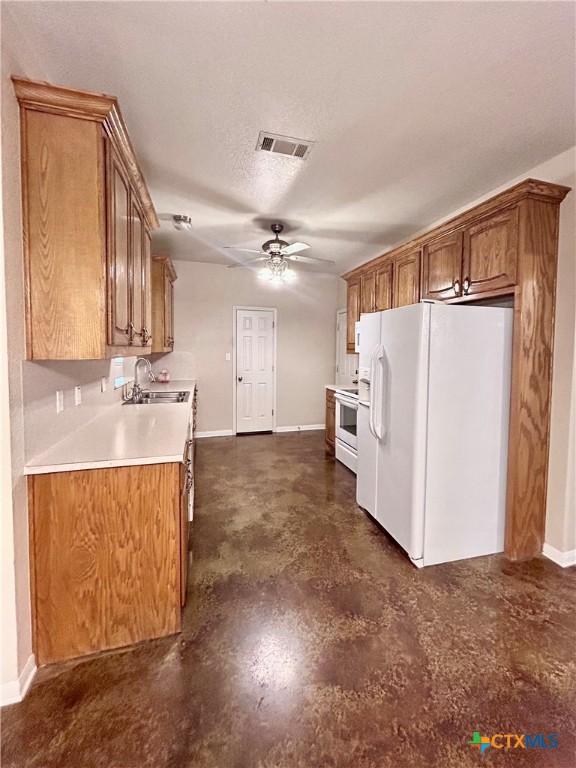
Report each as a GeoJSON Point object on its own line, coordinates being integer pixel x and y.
{"type": "Point", "coordinates": [277, 273]}
{"type": "Point", "coordinates": [181, 222]}
{"type": "Point", "coordinates": [265, 274]}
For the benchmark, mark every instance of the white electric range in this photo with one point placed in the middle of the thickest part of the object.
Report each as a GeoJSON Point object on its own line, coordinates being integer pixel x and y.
{"type": "Point", "coordinates": [346, 426]}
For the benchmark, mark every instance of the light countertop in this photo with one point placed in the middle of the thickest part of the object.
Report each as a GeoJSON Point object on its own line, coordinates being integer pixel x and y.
{"type": "Point", "coordinates": [123, 436]}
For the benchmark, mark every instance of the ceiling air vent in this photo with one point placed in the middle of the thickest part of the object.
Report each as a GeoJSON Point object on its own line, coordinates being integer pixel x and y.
{"type": "Point", "coordinates": [284, 145]}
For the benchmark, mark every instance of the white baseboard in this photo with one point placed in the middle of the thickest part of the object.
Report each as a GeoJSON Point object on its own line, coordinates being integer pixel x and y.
{"type": "Point", "coordinates": [228, 432]}
{"type": "Point", "coordinates": [215, 433]}
{"type": "Point", "coordinates": [563, 559]}
{"type": "Point", "coordinates": [300, 428]}
{"type": "Point", "coordinates": [14, 691]}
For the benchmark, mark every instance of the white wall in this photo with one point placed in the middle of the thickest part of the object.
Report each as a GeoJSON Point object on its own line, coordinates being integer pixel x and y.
{"type": "Point", "coordinates": [16, 616]}
{"type": "Point", "coordinates": [204, 297]}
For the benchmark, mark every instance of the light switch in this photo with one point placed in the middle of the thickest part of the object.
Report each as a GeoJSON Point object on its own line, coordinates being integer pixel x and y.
{"type": "Point", "coordinates": [59, 400]}
{"type": "Point", "coordinates": [228, 357]}
{"type": "Point", "coordinates": [77, 395]}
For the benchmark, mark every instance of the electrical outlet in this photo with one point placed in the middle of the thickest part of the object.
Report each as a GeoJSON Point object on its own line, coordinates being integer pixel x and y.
{"type": "Point", "coordinates": [103, 384]}
{"type": "Point", "coordinates": [59, 400]}
{"type": "Point", "coordinates": [77, 395]}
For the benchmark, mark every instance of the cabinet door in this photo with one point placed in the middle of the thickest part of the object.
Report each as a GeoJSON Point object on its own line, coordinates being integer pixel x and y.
{"type": "Point", "coordinates": [184, 531]}
{"type": "Point", "coordinates": [490, 253]}
{"type": "Point", "coordinates": [146, 290]}
{"type": "Point", "coordinates": [118, 198]}
{"type": "Point", "coordinates": [353, 313]}
{"type": "Point", "coordinates": [168, 310]}
{"type": "Point", "coordinates": [384, 287]}
{"type": "Point", "coordinates": [368, 292]}
{"type": "Point", "coordinates": [407, 279]}
{"type": "Point", "coordinates": [137, 275]}
{"type": "Point", "coordinates": [330, 421]}
{"type": "Point", "coordinates": [442, 267]}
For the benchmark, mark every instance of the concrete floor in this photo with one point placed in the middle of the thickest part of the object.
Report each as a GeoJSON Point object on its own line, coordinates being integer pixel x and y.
{"type": "Point", "coordinates": [310, 641]}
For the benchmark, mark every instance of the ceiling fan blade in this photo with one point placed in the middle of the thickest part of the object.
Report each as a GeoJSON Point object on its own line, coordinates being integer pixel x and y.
{"type": "Point", "coordinates": [248, 261]}
{"type": "Point", "coordinates": [294, 248]}
{"type": "Point", "coordinates": [311, 259]}
{"type": "Point", "coordinates": [243, 250]}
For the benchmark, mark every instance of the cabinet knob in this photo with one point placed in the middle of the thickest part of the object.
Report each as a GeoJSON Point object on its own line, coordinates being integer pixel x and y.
{"type": "Point", "coordinates": [466, 284]}
{"type": "Point", "coordinates": [456, 287]}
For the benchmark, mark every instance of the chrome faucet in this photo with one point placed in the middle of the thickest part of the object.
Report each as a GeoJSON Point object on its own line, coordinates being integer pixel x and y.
{"type": "Point", "coordinates": [136, 388]}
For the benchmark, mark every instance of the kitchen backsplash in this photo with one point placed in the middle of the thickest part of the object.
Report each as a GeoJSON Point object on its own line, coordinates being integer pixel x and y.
{"type": "Point", "coordinates": [43, 426]}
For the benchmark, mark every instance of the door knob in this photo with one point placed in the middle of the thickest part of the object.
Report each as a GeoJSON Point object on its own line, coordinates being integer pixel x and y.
{"type": "Point", "coordinates": [239, 378]}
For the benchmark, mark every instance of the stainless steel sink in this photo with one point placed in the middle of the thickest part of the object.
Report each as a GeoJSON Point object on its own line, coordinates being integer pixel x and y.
{"type": "Point", "coordinates": [154, 398]}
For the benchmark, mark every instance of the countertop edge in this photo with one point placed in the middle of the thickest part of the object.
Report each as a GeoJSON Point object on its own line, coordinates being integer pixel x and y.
{"type": "Point", "coordinates": [47, 469]}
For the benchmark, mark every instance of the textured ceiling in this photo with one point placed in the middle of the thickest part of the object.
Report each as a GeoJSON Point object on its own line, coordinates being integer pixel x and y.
{"type": "Point", "coordinates": [416, 108]}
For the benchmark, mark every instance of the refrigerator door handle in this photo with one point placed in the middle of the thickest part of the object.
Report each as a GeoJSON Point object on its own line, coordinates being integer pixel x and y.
{"type": "Point", "coordinates": [376, 392]}
{"type": "Point", "coordinates": [378, 384]}
{"type": "Point", "coordinates": [371, 399]}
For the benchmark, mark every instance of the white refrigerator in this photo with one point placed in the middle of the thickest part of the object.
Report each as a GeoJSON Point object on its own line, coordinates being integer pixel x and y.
{"type": "Point", "coordinates": [434, 391]}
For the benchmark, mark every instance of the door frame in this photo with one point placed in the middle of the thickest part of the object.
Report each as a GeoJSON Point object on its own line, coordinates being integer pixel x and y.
{"type": "Point", "coordinates": [274, 311]}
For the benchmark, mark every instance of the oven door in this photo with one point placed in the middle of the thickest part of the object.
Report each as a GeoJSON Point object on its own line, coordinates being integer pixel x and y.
{"type": "Point", "coordinates": [346, 419]}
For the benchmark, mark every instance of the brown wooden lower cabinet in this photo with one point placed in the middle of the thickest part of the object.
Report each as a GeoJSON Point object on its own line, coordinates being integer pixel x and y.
{"type": "Point", "coordinates": [330, 422]}
{"type": "Point", "coordinates": [106, 558]}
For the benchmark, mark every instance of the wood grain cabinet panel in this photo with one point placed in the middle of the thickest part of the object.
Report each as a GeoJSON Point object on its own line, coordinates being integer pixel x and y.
{"type": "Point", "coordinates": [352, 313]}
{"type": "Point", "coordinates": [163, 279]}
{"type": "Point", "coordinates": [384, 284]}
{"type": "Point", "coordinates": [442, 267]}
{"type": "Point", "coordinates": [106, 558]}
{"type": "Point", "coordinates": [407, 279]}
{"type": "Point", "coordinates": [137, 275]}
{"type": "Point", "coordinates": [86, 215]}
{"type": "Point", "coordinates": [147, 289]}
{"type": "Point", "coordinates": [64, 240]}
{"type": "Point", "coordinates": [491, 253]}
{"type": "Point", "coordinates": [184, 532]}
{"type": "Point", "coordinates": [119, 257]}
{"type": "Point", "coordinates": [330, 422]}
{"type": "Point", "coordinates": [368, 291]}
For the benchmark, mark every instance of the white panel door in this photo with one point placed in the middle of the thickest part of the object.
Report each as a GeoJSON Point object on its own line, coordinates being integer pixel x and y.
{"type": "Point", "coordinates": [254, 370]}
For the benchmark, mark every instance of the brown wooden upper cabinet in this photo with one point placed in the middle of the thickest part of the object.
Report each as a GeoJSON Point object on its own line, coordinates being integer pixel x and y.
{"type": "Point", "coordinates": [368, 291]}
{"type": "Point", "coordinates": [87, 218]}
{"type": "Point", "coordinates": [442, 267]}
{"type": "Point", "coordinates": [490, 253]}
{"type": "Point", "coordinates": [384, 283]}
{"type": "Point", "coordinates": [392, 282]}
{"type": "Point", "coordinates": [163, 277]}
{"type": "Point", "coordinates": [352, 313]}
{"type": "Point", "coordinates": [407, 279]}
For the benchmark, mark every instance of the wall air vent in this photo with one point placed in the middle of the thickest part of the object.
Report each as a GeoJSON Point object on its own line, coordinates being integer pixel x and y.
{"type": "Point", "coordinates": [284, 145]}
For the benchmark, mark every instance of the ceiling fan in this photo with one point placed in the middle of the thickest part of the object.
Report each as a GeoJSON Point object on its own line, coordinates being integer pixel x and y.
{"type": "Point", "coordinates": [276, 253]}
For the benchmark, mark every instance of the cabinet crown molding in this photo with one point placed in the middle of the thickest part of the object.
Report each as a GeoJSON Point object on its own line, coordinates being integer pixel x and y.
{"type": "Point", "coordinates": [85, 105]}
{"type": "Point", "coordinates": [163, 258]}
{"type": "Point", "coordinates": [529, 188]}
